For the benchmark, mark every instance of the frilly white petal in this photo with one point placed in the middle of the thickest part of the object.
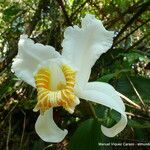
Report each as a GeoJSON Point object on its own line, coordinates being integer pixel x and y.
{"type": "Point", "coordinates": [47, 130]}
{"type": "Point", "coordinates": [106, 95]}
{"type": "Point", "coordinates": [83, 46]}
{"type": "Point", "coordinates": [29, 56]}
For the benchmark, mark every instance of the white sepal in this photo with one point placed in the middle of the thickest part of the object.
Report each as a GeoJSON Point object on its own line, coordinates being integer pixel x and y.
{"type": "Point", "coordinates": [105, 94]}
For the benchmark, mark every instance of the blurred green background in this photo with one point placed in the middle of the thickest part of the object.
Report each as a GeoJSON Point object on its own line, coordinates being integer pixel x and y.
{"type": "Point", "coordinates": [126, 66]}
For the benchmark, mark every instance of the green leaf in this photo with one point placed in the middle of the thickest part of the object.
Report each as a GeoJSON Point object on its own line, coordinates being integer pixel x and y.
{"type": "Point", "coordinates": [6, 88]}
{"type": "Point", "coordinates": [137, 124]}
{"type": "Point", "coordinates": [108, 77]}
{"type": "Point", "coordinates": [87, 136]}
{"type": "Point", "coordinates": [133, 57]}
{"type": "Point", "coordinates": [38, 145]}
{"type": "Point", "coordinates": [10, 11]}
{"type": "Point", "coordinates": [141, 84]}
{"type": "Point", "coordinates": [142, 135]}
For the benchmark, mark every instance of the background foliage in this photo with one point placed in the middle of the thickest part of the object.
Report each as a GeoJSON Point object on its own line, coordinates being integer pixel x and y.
{"type": "Point", "coordinates": [126, 66]}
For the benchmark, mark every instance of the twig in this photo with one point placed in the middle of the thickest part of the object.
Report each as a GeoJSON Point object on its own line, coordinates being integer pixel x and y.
{"type": "Point", "coordinates": [137, 93]}
{"type": "Point", "coordinates": [37, 16]}
{"type": "Point", "coordinates": [135, 16]}
{"type": "Point", "coordinates": [129, 101]}
{"type": "Point", "coordinates": [12, 53]}
{"type": "Point", "coordinates": [9, 133]}
{"type": "Point", "coordinates": [47, 147]}
{"type": "Point", "coordinates": [9, 113]}
{"type": "Point", "coordinates": [138, 42]}
{"type": "Point", "coordinates": [60, 2]}
{"type": "Point", "coordinates": [77, 10]}
{"type": "Point", "coordinates": [131, 106]}
{"type": "Point", "coordinates": [138, 116]}
{"type": "Point", "coordinates": [129, 10]}
{"type": "Point", "coordinates": [132, 32]}
{"type": "Point", "coordinates": [100, 10]}
{"type": "Point", "coordinates": [92, 110]}
{"type": "Point", "coordinates": [24, 125]}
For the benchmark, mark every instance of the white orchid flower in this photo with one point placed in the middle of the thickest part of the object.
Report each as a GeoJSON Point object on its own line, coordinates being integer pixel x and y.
{"type": "Point", "coordinates": [61, 80]}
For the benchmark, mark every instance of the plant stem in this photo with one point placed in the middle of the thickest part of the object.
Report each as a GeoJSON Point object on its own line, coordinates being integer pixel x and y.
{"type": "Point", "coordinates": [92, 110]}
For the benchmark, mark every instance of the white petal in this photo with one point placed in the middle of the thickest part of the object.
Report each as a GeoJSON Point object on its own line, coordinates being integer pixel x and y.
{"type": "Point", "coordinates": [47, 130]}
{"type": "Point", "coordinates": [83, 46]}
{"type": "Point", "coordinates": [29, 56]}
{"type": "Point", "coordinates": [105, 94]}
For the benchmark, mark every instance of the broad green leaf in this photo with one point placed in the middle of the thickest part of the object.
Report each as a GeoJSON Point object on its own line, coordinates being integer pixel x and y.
{"type": "Point", "coordinates": [140, 83]}
{"type": "Point", "coordinates": [142, 135]}
{"type": "Point", "coordinates": [133, 122]}
{"type": "Point", "coordinates": [138, 124]}
{"type": "Point", "coordinates": [108, 77]}
{"type": "Point", "coordinates": [87, 136]}
{"type": "Point", "coordinates": [38, 145]}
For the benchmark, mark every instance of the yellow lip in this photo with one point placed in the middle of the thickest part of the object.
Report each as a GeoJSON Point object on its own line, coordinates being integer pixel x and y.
{"type": "Point", "coordinates": [63, 96]}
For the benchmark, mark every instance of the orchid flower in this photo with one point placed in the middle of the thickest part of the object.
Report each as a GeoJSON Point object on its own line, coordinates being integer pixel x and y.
{"type": "Point", "coordinates": [61, 79]}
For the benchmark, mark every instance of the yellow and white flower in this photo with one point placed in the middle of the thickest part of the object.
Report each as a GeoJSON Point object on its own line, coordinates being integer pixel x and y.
{"type": "Point", "coordinates": [61, 80]}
